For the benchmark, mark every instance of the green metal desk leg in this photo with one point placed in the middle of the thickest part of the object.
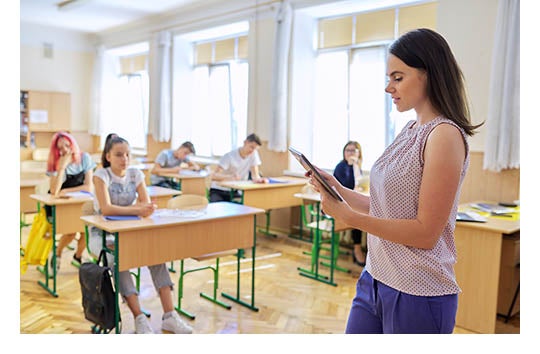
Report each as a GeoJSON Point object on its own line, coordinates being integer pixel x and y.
{"type": "Point", "coordinates": [45, 271]}
{"type": "Point", "coordinates": [266, 231]}
{"type": "Point", "coordinates": [238, 256]}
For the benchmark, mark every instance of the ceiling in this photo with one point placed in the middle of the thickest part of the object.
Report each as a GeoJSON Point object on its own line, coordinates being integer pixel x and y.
{"type": "Point", "coordinates": [96, 15]}
{"type": "Point", "coordinates": [100, 15]}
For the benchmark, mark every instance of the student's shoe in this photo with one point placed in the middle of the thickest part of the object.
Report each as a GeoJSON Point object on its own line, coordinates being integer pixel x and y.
{"type": "Point", "coordinates": [175, 324]}
{"type": "Point", "coordinates": [357, 262]}
{"type": "Point", "coordinates": [142, 325]}
{"type": "Point", "coordinates": [58, 262]}
{"type": "Point", "coordinates": [76, 261]}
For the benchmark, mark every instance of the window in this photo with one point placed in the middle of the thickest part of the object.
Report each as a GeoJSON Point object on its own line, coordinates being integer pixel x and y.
{"type": "Point", "coordinates": [221, 100]}
{"type": "Point", "coordinates": [347, 92]}
{"type": "Point", "coordinates": [210, 88]}
{"type": "Point", "coordinates": [351, 104]}
{"type": "Point", "coordinates": [130, 109]}
{"type": "Point", "coordinates": [126, 104]}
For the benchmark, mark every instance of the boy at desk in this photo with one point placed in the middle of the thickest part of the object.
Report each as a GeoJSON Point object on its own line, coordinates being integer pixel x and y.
{"type": "Point", "coordinates": [170, 161]}
{"type": "Point", "coordinates": [236, 165]}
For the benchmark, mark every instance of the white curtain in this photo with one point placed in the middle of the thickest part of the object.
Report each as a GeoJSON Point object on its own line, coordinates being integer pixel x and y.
{"type": "Point", "coordinates": [160, 87]}
{"type": "Point", "coordinates": [502, 137]}
{"type": "Point", "coordinates": [278, 131]}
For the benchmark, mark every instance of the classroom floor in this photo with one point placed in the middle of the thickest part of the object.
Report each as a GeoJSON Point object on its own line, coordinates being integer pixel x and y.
{"type": "Point", "coordinates": [287, 302]}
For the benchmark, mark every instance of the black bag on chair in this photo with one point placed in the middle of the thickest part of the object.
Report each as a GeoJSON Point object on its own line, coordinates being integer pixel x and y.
{"type": "Point", "coordinates": [98, 294]}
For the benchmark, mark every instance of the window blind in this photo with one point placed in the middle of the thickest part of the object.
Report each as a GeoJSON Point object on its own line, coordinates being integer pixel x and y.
{"type": "Point", "coordinates": [221, 50]}
{"type": "Point", "coordinates": [133, 64]}
{"type": "Point", "coordinates": [374, 26]}
{"type": "Point", "coordinates": [417, 16]}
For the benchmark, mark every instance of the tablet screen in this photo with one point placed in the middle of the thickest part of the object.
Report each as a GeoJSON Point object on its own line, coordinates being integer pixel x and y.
{"type": "Point", "coordinates": [309, 167]}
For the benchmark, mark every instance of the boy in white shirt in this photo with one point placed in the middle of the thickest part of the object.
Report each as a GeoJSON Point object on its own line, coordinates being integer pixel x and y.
{"type": "Point", "coordinates": [236, 165]}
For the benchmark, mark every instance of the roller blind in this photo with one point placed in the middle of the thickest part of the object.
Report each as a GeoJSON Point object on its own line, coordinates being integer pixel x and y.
{"type": "Point", "coordinates": [375, 26]}
{"type": "Point", "coordinates": [417, 16]}
{"type": "Point", "coordinates": [335, 32]}
{"type": "Point", "coordinates": [221, 50]}
{"type": "Point", "coordinates": [133, 64]}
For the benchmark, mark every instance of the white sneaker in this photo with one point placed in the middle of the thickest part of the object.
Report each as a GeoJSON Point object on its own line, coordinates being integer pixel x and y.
{"type": "Point", "coordinates": [142, 326]}
{"type": "Point", "coordinates": [175, 324]}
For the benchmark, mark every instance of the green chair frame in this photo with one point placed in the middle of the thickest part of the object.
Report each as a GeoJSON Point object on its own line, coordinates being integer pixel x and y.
{"type": "Point", "coordinates": [319, 224]}
{"type": "Point", "coordinates": [215, 271]}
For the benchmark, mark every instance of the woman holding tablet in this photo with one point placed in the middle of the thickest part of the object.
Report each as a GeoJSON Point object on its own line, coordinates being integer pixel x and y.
{"type": "Point", "coordinates": [408, 284]}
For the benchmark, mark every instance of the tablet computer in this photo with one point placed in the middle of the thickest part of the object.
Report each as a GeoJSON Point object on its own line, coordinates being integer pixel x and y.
{"type": "Point", "coordinates": [309, 167]}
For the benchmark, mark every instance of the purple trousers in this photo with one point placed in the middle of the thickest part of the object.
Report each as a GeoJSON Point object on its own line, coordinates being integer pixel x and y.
{"type": "Point", "coordinates": [378, 308]}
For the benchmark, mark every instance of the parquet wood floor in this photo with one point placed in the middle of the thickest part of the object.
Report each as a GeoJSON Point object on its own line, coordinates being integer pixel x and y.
{"type": "Point", "coordinates": [288, 302]}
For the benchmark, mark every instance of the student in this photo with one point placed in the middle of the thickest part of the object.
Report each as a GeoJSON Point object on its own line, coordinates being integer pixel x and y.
{"type": "Point", "coordinates": [348, 172]}
{"type": "Point", "coordinates": [170, 161]}
{"type": "Point", "coordinates": [70, 170]}
{"type": "Point", "coordinates": [237, 165]}
{"type": "Point", "coordinates": [121, 190]}
{"type": "Point", "coordinates": [408, 284]}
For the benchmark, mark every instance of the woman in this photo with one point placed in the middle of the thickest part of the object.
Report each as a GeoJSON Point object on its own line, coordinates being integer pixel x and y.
{"type": "Point", "coordinates": [121, 190]}
{"type": "Point", "coordinates": [409, 284]}
{"type": "Point", "coordinates": [70, 170]}
{"type": "Point", "coordinates": [348, 172]}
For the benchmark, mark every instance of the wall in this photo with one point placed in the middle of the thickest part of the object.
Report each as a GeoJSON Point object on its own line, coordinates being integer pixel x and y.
{"type": "Point", "coordinates": [469, 27]}
{"type": "Point", "coordinates": [69, 70]}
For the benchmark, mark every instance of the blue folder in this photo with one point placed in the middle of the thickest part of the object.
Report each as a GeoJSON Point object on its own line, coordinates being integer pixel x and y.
{"type": "Point", "coordinates": [122, 217]}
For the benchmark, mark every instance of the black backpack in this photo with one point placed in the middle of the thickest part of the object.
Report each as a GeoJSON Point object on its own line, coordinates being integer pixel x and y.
{"type": "Point", "coordinates": [98, 294]}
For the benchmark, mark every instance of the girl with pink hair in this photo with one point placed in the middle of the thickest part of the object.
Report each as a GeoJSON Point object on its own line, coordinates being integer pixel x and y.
{"type": "Point", "coordinates": [70, 170]}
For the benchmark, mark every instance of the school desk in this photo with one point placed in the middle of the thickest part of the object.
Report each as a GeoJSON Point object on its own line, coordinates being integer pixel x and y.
{"type": "Point", "coordinates": [190, 182]}
{"type": "Point", "coordinates": [278, 193]}
{"type": "Point", "coordinates": [66, 214]}
{"type": "Point", "coordinates": [477, 269]}
{"type": "Point", "coordinates": [160, 239]}
{"type": "Point", "coordinates": [161, 195]}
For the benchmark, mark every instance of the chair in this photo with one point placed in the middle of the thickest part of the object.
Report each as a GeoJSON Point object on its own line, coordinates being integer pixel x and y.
{"type": "Point", "coordinates": [40, 154]}
{"type": "Point", "coordinates": [87, 208]}
{"type": "Point", "coordinates": [197, 202]}
{"type": "Point", "coordinates": [318, 225]}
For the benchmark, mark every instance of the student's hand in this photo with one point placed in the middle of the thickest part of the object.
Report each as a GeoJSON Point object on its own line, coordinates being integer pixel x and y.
{"type": "Point", "coordinates": [261, 180]}
{"type": "Point", "coordinates": [146, 209]}
{"type": "Point", "coordinates": [64, 160]}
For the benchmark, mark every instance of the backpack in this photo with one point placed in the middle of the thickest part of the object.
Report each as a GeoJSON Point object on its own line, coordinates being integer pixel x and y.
{"type": "Point", "coordinates": [98, 294]}
{"type": "Point", "coordinates": [39, 243]}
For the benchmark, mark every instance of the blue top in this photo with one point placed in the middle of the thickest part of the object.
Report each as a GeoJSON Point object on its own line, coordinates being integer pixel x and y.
{"type": "Point", "coordinates": [344, 174]}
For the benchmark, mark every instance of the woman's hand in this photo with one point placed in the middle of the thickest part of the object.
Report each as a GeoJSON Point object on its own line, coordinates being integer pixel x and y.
{"type": "Point", "coordinates": [331, 180]}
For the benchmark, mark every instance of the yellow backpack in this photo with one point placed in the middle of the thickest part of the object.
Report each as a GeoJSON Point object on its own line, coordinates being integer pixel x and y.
{"type": "Point", "coordinates": [39, 242]}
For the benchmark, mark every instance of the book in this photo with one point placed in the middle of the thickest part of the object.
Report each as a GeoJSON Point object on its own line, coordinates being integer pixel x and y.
{"type": "Point", "coordinates": [493, 208]}
{"type": "Point", "coordinates": [470, 216]}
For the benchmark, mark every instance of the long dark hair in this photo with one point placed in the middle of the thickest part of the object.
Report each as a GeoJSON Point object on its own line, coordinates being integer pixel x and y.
{"type": "Point", "coordinates": [428, 51]}
{"type": "Point", "coordinates": [113, 140]}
